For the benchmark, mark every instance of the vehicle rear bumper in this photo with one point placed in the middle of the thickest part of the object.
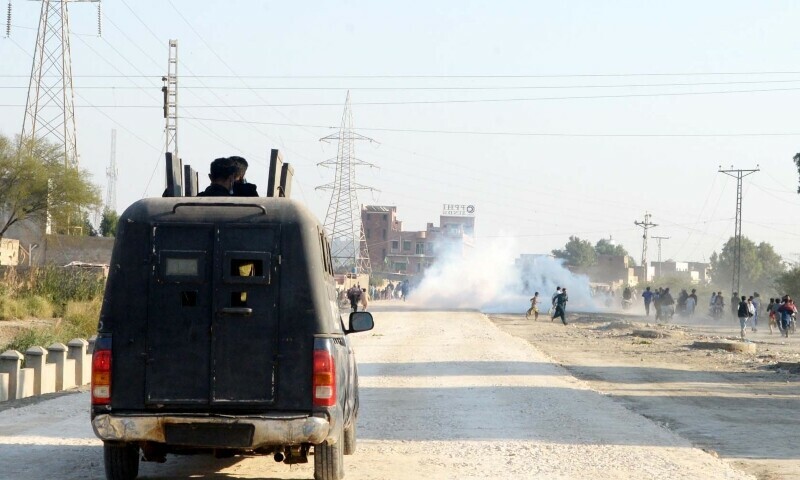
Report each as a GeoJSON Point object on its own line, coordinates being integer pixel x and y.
{"type": "Point", "coordinates": [292, 430]}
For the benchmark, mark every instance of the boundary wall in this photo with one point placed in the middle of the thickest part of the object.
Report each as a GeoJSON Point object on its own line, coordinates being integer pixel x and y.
{"type": "Point", "coordinates": [45, 370]}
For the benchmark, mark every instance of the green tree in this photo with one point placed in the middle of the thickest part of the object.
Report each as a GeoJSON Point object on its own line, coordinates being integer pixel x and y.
{"type": "Point", "coordinates": [108, 224]}
{"type": "Point", "coordinates": [797, 162]}
{"type": "Point", "coordinates": [761, 265]}
{"type": "Point", "coordinates": [577, 253]}
{"type": "Point", "coordinates": [34, 182]}
{"type": "Point", "coordinates": [87, 229]}
{"type": "Point", "coordinates": [605, 246]}
{"type": "Point", "coordinates": [788, 283]}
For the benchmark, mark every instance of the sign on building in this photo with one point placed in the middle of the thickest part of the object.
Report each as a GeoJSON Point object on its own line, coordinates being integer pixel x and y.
{"type": "Point", "coordinates": [458, 210]}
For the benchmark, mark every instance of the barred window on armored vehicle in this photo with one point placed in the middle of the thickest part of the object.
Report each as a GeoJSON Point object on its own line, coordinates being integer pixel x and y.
{"type": "Point", "coordinates": [182, 267]}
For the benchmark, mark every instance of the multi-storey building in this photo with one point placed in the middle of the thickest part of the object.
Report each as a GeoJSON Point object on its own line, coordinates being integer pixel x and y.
{"type": "Point", "coordinates": [393, 250]}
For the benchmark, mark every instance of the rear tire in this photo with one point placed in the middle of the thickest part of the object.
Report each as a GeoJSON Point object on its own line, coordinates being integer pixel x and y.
{"type": "Point", "coordinates": [329, 460]}
{"type": "Point", "coordinates": [350, 439]}
{"type": "Point", "coordinates": [121, 461]}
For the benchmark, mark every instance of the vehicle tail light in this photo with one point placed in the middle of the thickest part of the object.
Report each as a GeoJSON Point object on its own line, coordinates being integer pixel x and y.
{"type": "Point", "coordinates": [101, 377]}
{"type": "Point", "coordinates": [324, 383]}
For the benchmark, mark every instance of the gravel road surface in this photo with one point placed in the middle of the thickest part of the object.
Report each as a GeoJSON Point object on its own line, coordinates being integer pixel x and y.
{"type": "Point", "coordinates": [444, 395]}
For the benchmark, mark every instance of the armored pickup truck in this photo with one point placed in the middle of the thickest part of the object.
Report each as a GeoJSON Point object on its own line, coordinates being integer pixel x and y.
{"type": "Point", "coordinates": [220, 334]}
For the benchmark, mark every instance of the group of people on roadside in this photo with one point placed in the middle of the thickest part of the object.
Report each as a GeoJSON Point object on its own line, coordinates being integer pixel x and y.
{"type": "Point", "coordinates": [663, 303]}
{"type": "Point", "coordinates": [558, 308]}
{"type": "Point", "coordinates": [781, 312]}
{"type": "Point", "coordinates": [357, 296]}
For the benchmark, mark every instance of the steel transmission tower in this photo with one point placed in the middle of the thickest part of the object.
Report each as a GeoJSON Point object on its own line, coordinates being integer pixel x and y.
{"type": "Point", "coordinates": [111, 175]}
{"type": "Point", "coordinates": [646, 225]}
{"type": "Point", "coordinates": [343, 220]}
{"type": "Point", "coordinates": [736, 267]}
{"type": "Point", "coordinates": [50, 108]}
{"type": "Point", "coordinates": [170, 90]}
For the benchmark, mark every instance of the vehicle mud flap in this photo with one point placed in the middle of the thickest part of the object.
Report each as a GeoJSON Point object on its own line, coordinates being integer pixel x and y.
{"type": "Point", "coordinates": [350, 439]}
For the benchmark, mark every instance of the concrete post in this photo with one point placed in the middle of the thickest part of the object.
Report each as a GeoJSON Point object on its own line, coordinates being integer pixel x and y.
{"type": "Point", "coordinates": [44, 374]}
{"type": "Point", "coordinates": [65, 368]}
{"type": "Point", "coordinates": [4, 377]}
{"type": "Point", "coordinates": [20, 380]}
{"type": "Point", "coordinates": [83, 362]}
{"type": "Point", "coordinates": [92, 341]}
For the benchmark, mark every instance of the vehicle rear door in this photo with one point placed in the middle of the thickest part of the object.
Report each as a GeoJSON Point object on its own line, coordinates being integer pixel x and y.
{"type": "Point", "coordinates": [245, 319]}
{"type": "Point", "coordinates": [179, 315]}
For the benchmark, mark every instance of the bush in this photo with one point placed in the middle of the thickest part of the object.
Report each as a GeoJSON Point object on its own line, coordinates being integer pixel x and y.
{"type": "Point", "coordinates": [61, 285]}
{"type": "Point", "coordinates": [33, 336]}
{"type": "Point", "coordinates": [37, 306]}
{"type": "Point", "coordinates": [81, 318]}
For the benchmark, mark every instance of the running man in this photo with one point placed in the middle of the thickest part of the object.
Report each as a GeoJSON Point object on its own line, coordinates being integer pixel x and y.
{"type": "Point", "coordinates": [648, 297]}
{"type": "Point", "coordinates": [534, 307]}
{"type": "Point", "coordinates": [561, 306]}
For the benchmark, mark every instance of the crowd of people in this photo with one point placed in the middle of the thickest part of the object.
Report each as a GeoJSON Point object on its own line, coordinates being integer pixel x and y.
{"type": "Point", "coordinates": [558, 307]}
{"type": "Point", "coordinates": [356, 296]}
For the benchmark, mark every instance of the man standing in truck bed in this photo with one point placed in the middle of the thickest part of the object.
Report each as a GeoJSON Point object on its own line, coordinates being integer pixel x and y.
{"type": "Point", "coordinates": [222, 175]}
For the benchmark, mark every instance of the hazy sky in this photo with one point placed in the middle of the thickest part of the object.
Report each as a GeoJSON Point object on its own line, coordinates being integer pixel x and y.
{"type": "Point", "coordinates": [600, 100]}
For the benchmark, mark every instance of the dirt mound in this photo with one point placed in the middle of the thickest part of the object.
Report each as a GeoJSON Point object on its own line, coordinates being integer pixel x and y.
{"type": "Point", "coordinates": [616, 325]}
{"type": "Point", "coordinates": [729, 346]}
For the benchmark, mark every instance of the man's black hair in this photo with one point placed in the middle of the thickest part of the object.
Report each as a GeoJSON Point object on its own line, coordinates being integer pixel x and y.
{"type": "Point", "coordinates": [222, 168]}
{"type": "Point", "coordinates": [241, 165]}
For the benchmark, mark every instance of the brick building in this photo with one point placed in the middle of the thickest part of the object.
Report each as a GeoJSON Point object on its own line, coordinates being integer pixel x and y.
{"type": "Point", "coordinates": [393, 250]}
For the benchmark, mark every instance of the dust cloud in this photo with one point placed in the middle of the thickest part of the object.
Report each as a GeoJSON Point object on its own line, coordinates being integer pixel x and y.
{"type": "Point", "coordinates": [488, 279]}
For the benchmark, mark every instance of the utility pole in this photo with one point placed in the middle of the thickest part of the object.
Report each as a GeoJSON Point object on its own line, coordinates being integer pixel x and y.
{"type": "Point", "coordinates": [50, 107]}
{"type": "Point", "coordinates": [170, 91]}
{"type": "Point", "coordinates": [111, 175]}
{"type": "Point", "coordinates": [343, 220]}
{"type": "Point", "coordinates": [658, 239]}
{"type": "Point", "coordinates": [736, 267]}
{"type": "Point", "coordinates": [646, 225]}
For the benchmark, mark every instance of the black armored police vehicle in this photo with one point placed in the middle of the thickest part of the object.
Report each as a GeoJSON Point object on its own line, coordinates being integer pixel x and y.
{"type": "Point", "coordinates": [220, 333]}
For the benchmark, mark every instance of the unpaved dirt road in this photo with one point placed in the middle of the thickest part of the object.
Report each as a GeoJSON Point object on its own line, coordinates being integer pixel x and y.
{"type": "Point", "coordinates": [741, 406]}
{"type": "Point", "coordinates": [444, 395]}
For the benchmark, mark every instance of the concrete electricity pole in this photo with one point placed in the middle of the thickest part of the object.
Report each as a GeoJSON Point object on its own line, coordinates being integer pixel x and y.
{"type": "Point", "coordinates": [658, 239]}
{"type": "Point", "coordinates": [646, 225]}
{"type": "Point", "coordinates": [736, 267]}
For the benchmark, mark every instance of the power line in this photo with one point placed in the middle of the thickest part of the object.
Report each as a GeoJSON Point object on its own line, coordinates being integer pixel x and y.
{"type": "Point", "coordinates": [435, 76]}
{"type": "Point", "coordinates": [440, 88]}
{"type": "Point", "coordinates": [522, 134]}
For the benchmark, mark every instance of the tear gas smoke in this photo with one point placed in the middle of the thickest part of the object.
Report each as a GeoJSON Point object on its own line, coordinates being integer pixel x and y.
{"type": "Point", "coordinates": [488, 279]}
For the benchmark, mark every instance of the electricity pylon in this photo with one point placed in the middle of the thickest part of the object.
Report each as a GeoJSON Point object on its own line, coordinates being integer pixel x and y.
{"type": "Point", "coordinates": [738, 174]}
{"type": "Point", "coordinates": [343, 220]}
{"type": "Point", "coordinates": [50, 107]}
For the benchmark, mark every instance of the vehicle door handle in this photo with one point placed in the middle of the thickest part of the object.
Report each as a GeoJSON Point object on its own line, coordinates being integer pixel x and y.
{"type": "Point", "coordinates": [240, 311]}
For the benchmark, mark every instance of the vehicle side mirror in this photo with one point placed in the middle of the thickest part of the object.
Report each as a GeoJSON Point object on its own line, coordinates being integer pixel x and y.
{"type": "Point", "coordinates": [360, 322]}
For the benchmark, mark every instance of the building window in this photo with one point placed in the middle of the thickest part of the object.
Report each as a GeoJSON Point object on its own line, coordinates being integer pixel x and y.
{"type": "Point", "coordinates": [406, 245]}
{"type": "Point", "coordinates": [419, 268]}
{"type": "Point", "coordinates": [400, 267]}
{"type": "Point", "coordinates": [385, 217]}
{"type": "Point", "coordinates": [384, 234]}
{"type": "Point", "coordinates": [395, 244]}
{"type": "Point", "coordinates": [384, 253]}
{"type": "Point", "coordinates": [420, 248]}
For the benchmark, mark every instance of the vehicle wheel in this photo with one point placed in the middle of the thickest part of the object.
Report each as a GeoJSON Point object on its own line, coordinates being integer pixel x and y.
{"type": "Point", "coordinates": [329, 460]}
{"type": "Point", "coordinates": [350, 439]}
{"type": "Point", "coordinates": [121, 461]}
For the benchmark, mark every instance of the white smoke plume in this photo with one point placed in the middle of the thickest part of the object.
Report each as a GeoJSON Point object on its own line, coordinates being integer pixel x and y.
{"type": "Point", "coordinates": [487, 279]}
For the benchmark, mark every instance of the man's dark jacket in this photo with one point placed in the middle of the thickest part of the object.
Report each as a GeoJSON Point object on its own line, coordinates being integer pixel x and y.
{"type": "Point", "coordinates": [241, 189]}
{"type": "Point", "coordinates": [215, 190]}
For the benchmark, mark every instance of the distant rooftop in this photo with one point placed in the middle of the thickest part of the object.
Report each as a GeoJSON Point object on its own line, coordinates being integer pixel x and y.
{"type": "Point", "coordinates": [379, 208]}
